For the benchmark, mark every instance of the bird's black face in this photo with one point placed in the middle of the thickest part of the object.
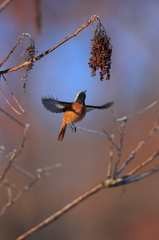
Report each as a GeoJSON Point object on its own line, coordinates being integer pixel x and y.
{"type": "Point", "coordinates": [80, 97]}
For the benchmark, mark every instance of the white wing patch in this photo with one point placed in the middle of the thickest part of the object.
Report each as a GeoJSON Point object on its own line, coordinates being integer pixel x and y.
{"type": "Point", "coordinates": [52, 105]}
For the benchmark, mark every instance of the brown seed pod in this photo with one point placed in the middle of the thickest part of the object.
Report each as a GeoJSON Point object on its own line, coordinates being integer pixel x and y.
{"type": "Point", "coordinates": [101, 51]}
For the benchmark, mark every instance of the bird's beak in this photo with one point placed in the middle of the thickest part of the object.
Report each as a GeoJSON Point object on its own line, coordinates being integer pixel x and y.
{"type": "Point", "coordinates": [85, 91]}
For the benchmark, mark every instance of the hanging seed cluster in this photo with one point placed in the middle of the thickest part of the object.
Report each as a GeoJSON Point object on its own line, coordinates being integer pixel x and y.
{"type": "Point", "coordinates": [28, 55]}
{"type": "Point", "coordinates": [101, 51]}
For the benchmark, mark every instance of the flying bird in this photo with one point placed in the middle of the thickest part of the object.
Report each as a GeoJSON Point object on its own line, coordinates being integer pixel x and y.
{"type": "Point", "coordinates": [73, 111]}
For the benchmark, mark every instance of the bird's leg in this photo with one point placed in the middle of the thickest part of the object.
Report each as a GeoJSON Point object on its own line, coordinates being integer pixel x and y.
{"type": "Point", "coordinates": [72, 127]}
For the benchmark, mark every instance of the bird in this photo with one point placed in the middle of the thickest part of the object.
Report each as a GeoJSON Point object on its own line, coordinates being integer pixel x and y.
{"type": "Point", "coordinates": [73, 111]}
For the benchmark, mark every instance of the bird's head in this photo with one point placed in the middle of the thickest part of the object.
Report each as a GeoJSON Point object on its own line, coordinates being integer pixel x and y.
{"type": "Point", "coordinates": [80, 97]}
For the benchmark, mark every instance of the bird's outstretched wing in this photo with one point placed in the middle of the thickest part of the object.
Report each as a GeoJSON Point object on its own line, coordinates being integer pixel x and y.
{"type": "Point", "coordinates": [53, 105]}
{"type": "Point", "coordinates": [107, 105]}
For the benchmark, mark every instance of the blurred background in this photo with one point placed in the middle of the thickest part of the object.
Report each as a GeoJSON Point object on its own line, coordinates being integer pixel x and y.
{"type": "Point", "coordinates": [122, 213]}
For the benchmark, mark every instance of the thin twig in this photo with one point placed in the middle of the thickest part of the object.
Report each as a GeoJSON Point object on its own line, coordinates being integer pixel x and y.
{"type": "Point", "coordinates": [140, 145]}
{"type": "Point", "coordinates": [22, 171]}
{"type": "Point", "coordinates": [114, 118]}
{"type": "Point", "coordinates": [4, 4]}
{"type": "Point", "coordinates": [61, 212]}
{"type": "Point", "coordinates": [123, 126]}
{"type": "Point", "coordinates": [100, 134]}
{"type": "Point", "coordinates": [23, 125]}
{"type": "Point", "coordinates": [39, 174]}
{"type": "Point", "coordinates": [19, 41]}
{"type": "Point", "coordinates": [18, 196]}
{"type": "Point", "coordinates": [109, 173]}
{"type": "Point", "coordinates": [9, 190]}
{"type": "Point", "coordinates": [13, 94]}
{"type": "Point", "coordinates": [106, 184]}
{"type": "Point", "coordinates": [94, 18]}
{"type": "Point", "coordinates": [4, 159]}
{"type": "Point", "coordinates": [2, 148]}
{"type": "Point", "coordinates": [15, 152]}
{"type": "Point", "coordinates": [133, 115]}
{"type": "Point", "coordinates": [140, 176]}
{"type": "Point", "coordinates": [8, 102]}
{"type": "Point", "coordinates": [127, 161]}
{"type": "Point", "coordinates": [141, 165]}
{"type": "Point", "coordinates": [46, 169]}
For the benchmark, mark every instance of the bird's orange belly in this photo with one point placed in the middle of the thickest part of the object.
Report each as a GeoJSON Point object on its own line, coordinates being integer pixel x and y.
{"type": "Point", "coordinates": [76, 115]}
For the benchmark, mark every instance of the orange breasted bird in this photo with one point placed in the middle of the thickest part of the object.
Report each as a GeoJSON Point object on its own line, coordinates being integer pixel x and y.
{"type": "Point", "coordinates": [73, 111]}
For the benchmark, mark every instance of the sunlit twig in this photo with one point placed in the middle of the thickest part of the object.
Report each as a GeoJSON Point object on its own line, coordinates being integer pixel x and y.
{"type": "Point", "coordinates": [94, 18]}
{"type": "Point", "coordinates": [4, 4]}
{"type": "Point", "coordinates": [133, 115]}
{"type": "Point", "coordinates": [19, 41]}
{"type": "Point", "coordinates": [8, 102]}
{"type": "Point", "coordinates": [13, 94]}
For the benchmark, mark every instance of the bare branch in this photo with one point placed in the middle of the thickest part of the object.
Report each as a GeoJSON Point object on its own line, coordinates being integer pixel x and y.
{"type": "Point", "coordinates": [4, 4]}
{"type": "Point", "coordinates": [2, 148]}
{"type": "Point", "coordinates": [7, 156]}
{"type": "Point", "coordinates": [145, 109]}
{"type": "Point", "coordinates": [13, 95]}
{"type": "Point", "coordinates": [19, 41]}
{"type": "Point", "coordinates": [109, 173]}
{"type": "Point", "coordinates": [40, 173]}
{"type": "Point", "coordinates": [115, 121]}
{"type": "Point", "coordinates": [140, 145]}
{"type": "Point", "coordinates": [22, 171]}
{"type": "Point", "coordinates": [15, 153]}
{"type": "Point", "coordinates": [46, 169]}
{"type": "Point", "coordinates": [141, 165]}
{"type": "Point", "coordinates": [100, 134]}
{"type": "Point", "coordinates": [18, 196]}
{"type": "Point", "coordinates": [123, 126]}
{"type": "Point", "coordinates": [61, 212]}
{"type": "Point", "coordinates": [8, 102]}
{"type": "Point", "coordinates": [141, 176]}
{"type": "Point", "coordinates": [106, 184]}
{"type": "Point", "coordinates": [94, 18]}
{"type": "Point", "coordinates": [23, 125]}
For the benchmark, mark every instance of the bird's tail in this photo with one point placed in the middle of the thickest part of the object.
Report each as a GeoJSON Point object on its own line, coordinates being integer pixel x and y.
{"type": "Point", "coordinates": [62, 131]}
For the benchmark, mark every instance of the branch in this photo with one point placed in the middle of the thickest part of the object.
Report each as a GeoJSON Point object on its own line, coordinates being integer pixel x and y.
{"type": "Point", "coordinates": [145, 109]}
{"type": "Point", "coordinates": [94, 18]}
{"type": "Point", "coordinates": [15, 153]}
{"type": "Point", "coordinates": [4, 4]}
{"type": "Point", "coordinates": [12, 96]}
{"type": "Point", "coordinates": [106, 184]}
{"type": "Point", "coordinates": [43, 172]}
{"type": "Point", "coordinates": [61, 212]}
{"type": "Point", "coordinates": [23, 125]}
{"type": "Point", "coordinates": [105, 134]}
{"type": "Point", "coordinates": [150, 159]}
{"type": "Point", "coordinates": [111, 153]}
{"type": "Point", "coordinates": [122, 134]}
{"type": "Point", "coordinates": [140, 145]}
{"type": "Point", "coordinates": [19, 41]}
{"type": "Point", "coordinates": [18, 196]}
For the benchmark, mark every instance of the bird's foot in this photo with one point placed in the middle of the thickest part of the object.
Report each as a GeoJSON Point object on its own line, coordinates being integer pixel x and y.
{"type": "Point", "coordinates": [72, 127]}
